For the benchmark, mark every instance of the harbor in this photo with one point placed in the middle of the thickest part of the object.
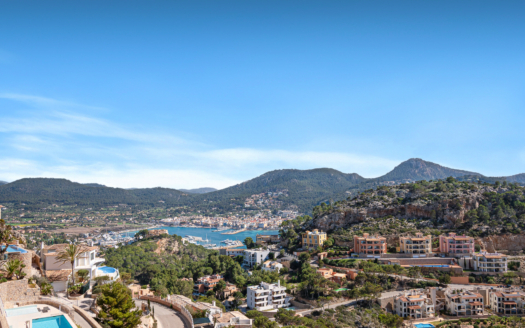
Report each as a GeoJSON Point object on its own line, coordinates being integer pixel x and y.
{"type": "Point", "coordinates": [212, 239]}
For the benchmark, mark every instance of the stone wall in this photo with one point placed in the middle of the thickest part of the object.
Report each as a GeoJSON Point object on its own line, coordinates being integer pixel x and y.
{"type": "Point", "coordinates": [15, 291]}
{"type": "Point", "coordinates": [26, 258]}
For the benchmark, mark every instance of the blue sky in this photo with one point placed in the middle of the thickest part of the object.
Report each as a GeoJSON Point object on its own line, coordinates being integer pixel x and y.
{"type": "Point", "coordinates": [210, 93]}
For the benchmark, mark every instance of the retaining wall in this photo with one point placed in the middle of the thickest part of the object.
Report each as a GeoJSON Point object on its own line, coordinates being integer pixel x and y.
{"type": "Point", "coordinates": [16, 291]}
{"type": "Point", "coordinates": [174, 305]}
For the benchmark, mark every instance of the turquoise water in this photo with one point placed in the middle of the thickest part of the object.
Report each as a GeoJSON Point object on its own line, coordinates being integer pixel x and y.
{"type": "Point", "coordinates": [14, 249]}
{"type": "Point", "coordinates": [216, 237]}
{"type": "Point", "coordinates": [107, 269]}
{"type": "Point", "coordinates": [424, 325]}
{"type": "Point", "coordinates": [51, 322]}
{"type": "Point", "coordinates": [21, 310]}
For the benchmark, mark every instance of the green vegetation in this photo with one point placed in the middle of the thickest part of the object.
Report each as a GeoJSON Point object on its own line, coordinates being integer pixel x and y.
{"type": "Point", "coordinates": [116, 307]}
{"type": "Point", "coordinates": [435, 206]}
{"type": "Point", "coordinates": [164, 271]}
{"type": "Point", "coordinates": [340, 317]}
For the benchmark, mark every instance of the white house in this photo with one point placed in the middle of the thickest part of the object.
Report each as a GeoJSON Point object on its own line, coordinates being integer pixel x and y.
{"type": "Point", "coordinates": [59, 271]}
{"type": "Point", "coordinates": [272, 266]}
{"type": "Point", "coordinates": [253, 257]}
{"type": "Point", "coordinates": [267, 296]}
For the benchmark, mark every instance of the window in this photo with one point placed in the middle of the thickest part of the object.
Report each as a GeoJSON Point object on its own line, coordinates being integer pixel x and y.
{"type": "Point", "coordinates": [92, 256]}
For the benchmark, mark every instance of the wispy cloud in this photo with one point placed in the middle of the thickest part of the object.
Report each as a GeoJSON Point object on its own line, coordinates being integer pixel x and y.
{"type": "Point", "coordinates": [60, 141]}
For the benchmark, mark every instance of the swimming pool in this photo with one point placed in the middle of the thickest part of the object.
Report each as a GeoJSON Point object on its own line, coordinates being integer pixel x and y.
{"type": "Point", "coordinates": [14, 249]}
{"type": "Point", "coordinates": [21, 310]}
{"type": "Point", "coordinates": [424, 325]}
{"type": "Point", "coordinates": [107, 269]}
{"type": "Point", "coordinates": [51, 322]}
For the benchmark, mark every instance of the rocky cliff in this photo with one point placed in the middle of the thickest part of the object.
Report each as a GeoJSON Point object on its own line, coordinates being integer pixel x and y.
{"type": "Point", "coordinates": [507, 242]}
{"type": "Point", "coordinates": [482, 209]}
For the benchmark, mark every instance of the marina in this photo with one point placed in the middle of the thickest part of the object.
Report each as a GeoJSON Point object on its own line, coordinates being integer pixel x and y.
{"type": "Point", "coordinates": [206, 237]}
{"type": "Point", "coordinates": [209, 236]}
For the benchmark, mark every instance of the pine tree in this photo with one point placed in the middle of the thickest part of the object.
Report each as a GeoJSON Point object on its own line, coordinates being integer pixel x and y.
{"type": "Point", "coordinates": [116, 307]}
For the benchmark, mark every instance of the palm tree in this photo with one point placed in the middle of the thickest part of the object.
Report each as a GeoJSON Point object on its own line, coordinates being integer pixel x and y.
{"type": "Point", "coordinates": [69, 254]}
{"type": "Point", "coordinates": [6, 235]}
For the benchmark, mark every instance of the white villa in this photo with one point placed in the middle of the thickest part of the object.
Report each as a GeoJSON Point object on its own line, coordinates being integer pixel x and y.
{"type": "Point", "coordinates": [267, 296]}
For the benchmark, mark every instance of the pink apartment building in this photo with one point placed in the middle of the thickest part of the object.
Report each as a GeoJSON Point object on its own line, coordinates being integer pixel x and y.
{"type": "Point", "coordinates": [453, 244]}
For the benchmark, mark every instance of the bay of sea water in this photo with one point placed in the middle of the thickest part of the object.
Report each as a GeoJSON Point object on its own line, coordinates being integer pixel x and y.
{"type": "Point", "coordinates": [215, 237]}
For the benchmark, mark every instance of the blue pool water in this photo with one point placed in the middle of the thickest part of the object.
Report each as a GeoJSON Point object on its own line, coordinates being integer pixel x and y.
{"type": "Point", "coordinates": [107, 269]}
{"type": "Point", "coordinates": [21, 310]}
{"type": "Point", "coordinates": [424, 325]}
{"type": "Point", "coordinates": [51, 322]}
{"type": "Point", "coordinates": [14, 249]}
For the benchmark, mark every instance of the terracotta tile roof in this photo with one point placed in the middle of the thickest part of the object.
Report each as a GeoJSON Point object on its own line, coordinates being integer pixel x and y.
{"type": "Point", "coordinates": [415, 307]}
{"type": "Point", "coordinates": [476, 303]}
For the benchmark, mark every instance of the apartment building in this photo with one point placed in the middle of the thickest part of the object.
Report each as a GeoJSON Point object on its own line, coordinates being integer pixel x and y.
{"type": "Point", "coordinates": [490, 262]}
{"type": "Point", "coordinates": [414, 304]}
{"type": "Point", "coordinates": [203, 284]}
{"type": "Point", "coordinates": [416, 245]}
{"type": "Point", "coordinates": [313, 239]}
{"type": "Point", "coordinates": [464, 302]}
{"type": "Point", "coordinates": [368, 245]}
{"type": "Point", "coordinates": [253, 257]}
{"type": "Point", "coordinates": [507, 301]}
{"type": "Point", "coordinates": [267, 296]}
{"type": "Point", "coordinates": [456, 245]}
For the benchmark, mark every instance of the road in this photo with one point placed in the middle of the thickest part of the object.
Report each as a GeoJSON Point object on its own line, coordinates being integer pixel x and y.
{"type": "Point", "coordinates": [166, 317]}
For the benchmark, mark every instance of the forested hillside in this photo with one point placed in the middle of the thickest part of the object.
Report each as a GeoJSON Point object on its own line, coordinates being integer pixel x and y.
{"type": "Point", "coordinates": [299, 190]}
{"type": "Point", "coordinates": [475, 208]}
{"type": "Point", "coordinates": [60, 191]}
{"type": "Point", "coordinates": [163, 261]}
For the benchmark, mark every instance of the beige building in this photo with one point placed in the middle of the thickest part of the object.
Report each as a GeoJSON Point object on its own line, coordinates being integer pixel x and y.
{"type": "Point", "coordinates": [464, 302]}
{"type": "Point", "coordinates": [313, 239]}
{"type": "Point", "coordinates": [507, 301]}
{"type": "Point", "coordinates": [490, 262]}
{"type": "Point", "coordinates": [416, 245]}
{"type": "Point", "coordinates": [414, 304]}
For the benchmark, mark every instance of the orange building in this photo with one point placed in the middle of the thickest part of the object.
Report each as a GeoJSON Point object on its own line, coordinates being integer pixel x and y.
{"type": "Point", "coordinates": [369, 244]}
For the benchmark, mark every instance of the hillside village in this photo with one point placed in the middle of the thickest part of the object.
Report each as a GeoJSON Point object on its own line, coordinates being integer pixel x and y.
{"type": "Point", "coordinates": [444, 262]}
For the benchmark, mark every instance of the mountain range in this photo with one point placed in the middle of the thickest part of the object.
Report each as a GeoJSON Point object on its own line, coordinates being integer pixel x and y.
{"type": "Point", "coordinates": [297, 189]}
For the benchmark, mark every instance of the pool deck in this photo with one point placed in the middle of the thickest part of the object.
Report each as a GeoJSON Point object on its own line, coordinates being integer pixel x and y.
{"type": "Point", "coordinates": [19, 321]}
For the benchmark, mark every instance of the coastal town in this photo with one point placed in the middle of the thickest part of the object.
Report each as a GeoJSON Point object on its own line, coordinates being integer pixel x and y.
{"type": "Point", "coordinates": [429, 279]}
